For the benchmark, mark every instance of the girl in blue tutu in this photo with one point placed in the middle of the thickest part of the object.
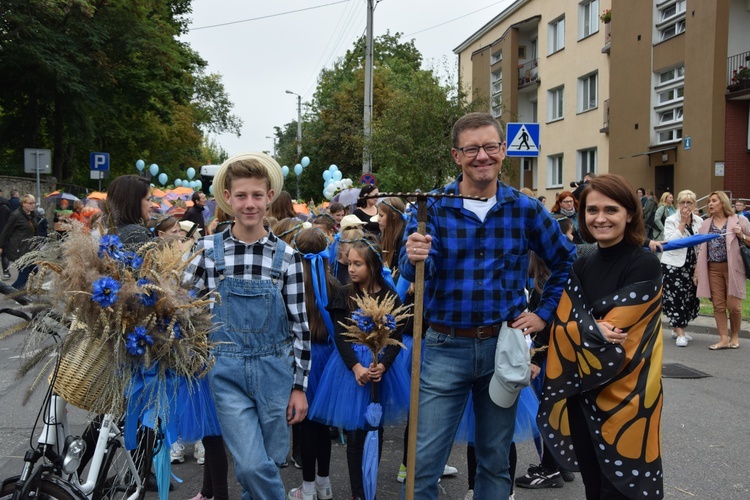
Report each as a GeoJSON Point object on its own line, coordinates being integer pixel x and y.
{"type": "Point", "coordinates": [344, 391]}
{"type": "Point", "coordinates": [326, 306]}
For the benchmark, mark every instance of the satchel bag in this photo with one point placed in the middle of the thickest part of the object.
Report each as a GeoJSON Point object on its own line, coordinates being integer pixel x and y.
{"type": "Point", "coordinates": [745, 252]}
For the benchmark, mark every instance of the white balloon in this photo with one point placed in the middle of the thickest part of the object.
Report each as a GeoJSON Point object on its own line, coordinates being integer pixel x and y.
{"type": "Point", "coordinates": [337, 175]}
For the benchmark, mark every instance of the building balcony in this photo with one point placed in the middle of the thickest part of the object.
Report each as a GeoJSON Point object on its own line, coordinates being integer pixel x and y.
{"type": "Point", "coordinates": [738, 72]}
{"type": "Point", "coordinates": [528, 73]}
{"type": "Point", "coordinates": [607, 38]}
{"type": "Point", "coordinates": [605, 123]}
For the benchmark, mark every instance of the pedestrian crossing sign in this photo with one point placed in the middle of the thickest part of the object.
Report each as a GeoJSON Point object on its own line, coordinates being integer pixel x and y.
{"type": "Point", "coordinates": [522, 139]}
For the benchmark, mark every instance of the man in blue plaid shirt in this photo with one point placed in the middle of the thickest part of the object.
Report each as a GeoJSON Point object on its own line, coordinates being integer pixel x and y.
{"type": "Point", "coordinates": [476, 267]}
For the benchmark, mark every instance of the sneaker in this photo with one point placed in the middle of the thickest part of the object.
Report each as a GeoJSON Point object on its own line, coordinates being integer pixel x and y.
{"type": "Point", "coordinates": [297, 460]}
{"type": "Point", "coordinates": [201, 497]}
{"type": "Point", "coordinates": [567, 475]}
{"type": "Point", "coordinates": [177, 452]}
{"type": "Point", "coordinates": [6, 275]}
{"type": "Point", "coordinates": [681, 341]}
{"type": "Point", "coordinates": [324, 492]}
{"type": "Point", "coordinates": [539, 477]}
{"type": "Point", "coordinates": [469, 495]}
{"type": "Point", "coordinates": [687, 336]}
{"type": "Point", "coordinates": [401, 474]}
{"type": "Point", "coordinates": [449, 471]}
{"type": "Point", "coordinates": [299, 494]}
{"type": "Point", "coordinates": [199, 453]}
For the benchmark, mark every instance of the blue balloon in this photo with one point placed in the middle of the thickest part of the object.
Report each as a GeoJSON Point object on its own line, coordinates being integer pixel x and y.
{"type": "Point", "coordinates": [154, 169]}
{"type": "Point", "coordinates": [211, 189]}
{"type": "Point", "coordinates": [192, 184]}
{"type": "Point", "coordinates": [198, 183]}
{"type": "Point", "coordinates": [327, 183]}
{"type": "Point", "coordinates": [337, 175]}
{"type": "Point", "coordinates": [333, 168]}
{"type": "Point", "coordinates": [177, 182]}
{"type": "Point", "coordinates": [190, 172]}
{"type": "Point", "coordinates": [326, 175]}
{"type": "Point", "coordinates": [298, 169]}
{"type": "Point", "coordinates": [305, 161]}
{"type": "Point", "coordinates": [140, 165]}
{"type": "Point", "coordinates": [285, 170]}
{"type": "Point", "coordinates": [163, 178]}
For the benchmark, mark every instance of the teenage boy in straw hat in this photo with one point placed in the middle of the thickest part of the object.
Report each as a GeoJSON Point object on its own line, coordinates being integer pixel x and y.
{"type": "Point", "coordinates": [260, 321]}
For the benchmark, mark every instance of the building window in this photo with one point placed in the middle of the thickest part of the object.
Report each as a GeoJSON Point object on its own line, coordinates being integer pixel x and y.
{"type": "Point", "coordinates": [497, 93]}
{"type": "Point", "coordinates": [669, 96]}
{"type": "Point", "coordinates": [496, 57]}
{"type": "Point", "coordinates": [556, 35]}
{"type": "Point", "coordinates": [587, 92]}
{"type": "Point", "coordinates": [555, 104]}
{"type": "Point", "coordinates": [588, 18]}
{"type": "Point", "coordinates": [669, 18]}
{"type": "Point", "coordinates": [586, 162]}
{"type": "Point", "coordinates": [554, 171]}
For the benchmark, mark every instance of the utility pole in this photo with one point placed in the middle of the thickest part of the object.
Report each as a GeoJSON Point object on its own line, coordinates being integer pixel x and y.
{"type": "Point", "coordinates": [274, 144]}
{"type": "Point", "coordinates": [366, 156]}
{"type": "Point", "coordinates": [299, 123]}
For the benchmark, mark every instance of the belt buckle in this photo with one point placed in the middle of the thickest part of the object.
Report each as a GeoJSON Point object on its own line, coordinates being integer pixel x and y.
{"type": "Point", "coordinates": [480, 332]}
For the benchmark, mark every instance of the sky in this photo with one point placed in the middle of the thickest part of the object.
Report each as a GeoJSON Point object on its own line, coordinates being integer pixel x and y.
{"type": "Point", "coordinates": [264, 48]}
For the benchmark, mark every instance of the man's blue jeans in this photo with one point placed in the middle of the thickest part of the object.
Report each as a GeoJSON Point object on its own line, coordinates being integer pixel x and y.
{"type": "Point", "coordinates": [452, 367]}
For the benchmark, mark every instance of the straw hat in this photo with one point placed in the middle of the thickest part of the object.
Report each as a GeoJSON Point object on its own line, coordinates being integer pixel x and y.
{"type": "Point", "coordinates": [272, 167]}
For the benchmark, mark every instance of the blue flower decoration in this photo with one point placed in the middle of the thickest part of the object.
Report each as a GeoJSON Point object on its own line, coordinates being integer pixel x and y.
{"type": "Point", "coordinates": [138, 340]}
{"type": "Point", "coordinates": [110, 245]}
{"type": "Point", "coordinates": [177, 331]}
{"type": "Point", "coordinates": [146, 297]}
{"type": "Point", "coordinates": [390, 322]}
{"type": "Point", "coordinates": [132, 259]}
{"type": "Point", "coordinates": [164, 324]}
{"type": "Point", "coordinates": [364, 322]}
{"type": "Point", "coordinates": [105, 291]}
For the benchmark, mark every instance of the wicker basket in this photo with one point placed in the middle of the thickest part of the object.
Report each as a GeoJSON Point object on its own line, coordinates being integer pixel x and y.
{"type": "Point", "coordinates": [82, 376]}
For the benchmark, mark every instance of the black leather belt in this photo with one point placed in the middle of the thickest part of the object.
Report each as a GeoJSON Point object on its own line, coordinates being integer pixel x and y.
{"type": "Point", "coordinates": [475, 332]}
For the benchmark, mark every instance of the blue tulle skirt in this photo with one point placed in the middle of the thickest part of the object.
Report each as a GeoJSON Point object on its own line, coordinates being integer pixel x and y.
{"type": "Point", "coordinates": [196, 413]}
{"type": "Point", "coordinates": [340, 402]}
{"type": "Point", "coordinates": [319, 354]}
{"type": "Point", "coordinates": [526, 428]}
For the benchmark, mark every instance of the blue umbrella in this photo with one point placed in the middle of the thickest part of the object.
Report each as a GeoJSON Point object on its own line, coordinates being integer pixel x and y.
{"type": "Point", "coordinates": [689, 241]}
{"type": "Point", "coordinates": [373, 416]}
{"type": "Point", "coordinates": [162, 466]}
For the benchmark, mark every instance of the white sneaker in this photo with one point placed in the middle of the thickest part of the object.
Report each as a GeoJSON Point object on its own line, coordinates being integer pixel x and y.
{"type": "Point", "coordinates": [469, 495]}
{"type": "Point", "coordinates": [687, 336]}
{"type": "Point", "coordinates": [177, 452]}
{"type": "Point", "coordinates": [682, 341]}
{"type": "Point", "coordinates": [199, 453]}
{"type": "Point", "coordinates": [299, 494]}
{"type": "Point", "coordinates": [449, 471]}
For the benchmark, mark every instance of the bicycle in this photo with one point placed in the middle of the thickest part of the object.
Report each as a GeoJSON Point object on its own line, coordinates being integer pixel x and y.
{"type": "Point", "coordinates": [112, 470]}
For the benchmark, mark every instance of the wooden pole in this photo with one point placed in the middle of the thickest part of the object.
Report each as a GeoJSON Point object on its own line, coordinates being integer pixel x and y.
{"type": "Point", "coordinates": [416, 359]}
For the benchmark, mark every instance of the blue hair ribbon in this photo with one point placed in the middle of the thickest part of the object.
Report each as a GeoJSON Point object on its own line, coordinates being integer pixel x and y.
{"type": "Point", "coordinates": [318, 267]}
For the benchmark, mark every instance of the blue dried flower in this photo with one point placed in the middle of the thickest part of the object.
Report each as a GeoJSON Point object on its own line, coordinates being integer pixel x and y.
{"type": "Point", "coordinates": [105, 291]}
{"type": "Point", "coordinates": [164, 325]}
{"type": "Point", "coordinates": [138, 340]}
{"type": "Point", "coordinates": [132, 259]}
{"type": "Point", "coordinates": [146, 296]}
{"type": "Point", "coordinates": [110, 245]}
{"type": "Point", "coordinates": [364, 322]}
{"type": "Point", "coordinates": [390, 322]}
{"type": "Point", "coordinates": [177, 331]}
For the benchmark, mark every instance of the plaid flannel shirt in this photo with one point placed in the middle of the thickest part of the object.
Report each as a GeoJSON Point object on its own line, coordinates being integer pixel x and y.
{"type": "Point", "coordinates": [476, 271]}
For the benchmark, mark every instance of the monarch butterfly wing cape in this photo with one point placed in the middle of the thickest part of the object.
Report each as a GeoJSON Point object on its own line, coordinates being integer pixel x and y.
{"type": "Point", "coordinates": [619, 385]}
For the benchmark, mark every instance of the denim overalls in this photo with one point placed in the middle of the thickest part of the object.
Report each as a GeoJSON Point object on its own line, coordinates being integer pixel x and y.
{"type": "Point", "coordinates": [252, 378]}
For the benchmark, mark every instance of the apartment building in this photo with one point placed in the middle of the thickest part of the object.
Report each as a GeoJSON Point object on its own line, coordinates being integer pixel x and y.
{"type": "Point", "coordinates": [643, 92]}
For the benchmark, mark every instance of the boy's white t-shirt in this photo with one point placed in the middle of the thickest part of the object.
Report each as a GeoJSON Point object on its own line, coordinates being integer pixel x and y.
{"type": "Point", "coordinates": [480, 208]}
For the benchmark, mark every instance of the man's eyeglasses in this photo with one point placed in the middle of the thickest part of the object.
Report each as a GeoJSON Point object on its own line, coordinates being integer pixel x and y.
{"type": "Point", "coordinates": [471, 151]}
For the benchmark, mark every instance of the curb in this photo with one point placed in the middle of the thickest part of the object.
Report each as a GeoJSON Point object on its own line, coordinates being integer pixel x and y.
{"type": "Point", "coordinates": [706, 324]}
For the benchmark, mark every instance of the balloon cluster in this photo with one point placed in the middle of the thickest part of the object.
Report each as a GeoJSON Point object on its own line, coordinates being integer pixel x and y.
{"type": "Point", "coordinates": [298, 168]}
{"type": "Point", "coordinates": [163, 178]}
{"type": "Point", "coordinates": [333, 182]}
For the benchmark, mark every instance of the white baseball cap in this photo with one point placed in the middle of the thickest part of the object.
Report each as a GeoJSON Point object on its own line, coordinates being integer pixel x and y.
{"type": "Point", "coordinates": [350, 220]}
{"type": "Point", "coordinates": [512, 366]}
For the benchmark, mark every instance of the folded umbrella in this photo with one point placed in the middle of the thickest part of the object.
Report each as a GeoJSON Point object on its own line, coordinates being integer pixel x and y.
{"type": "Point", "coordinates": [370, 458]}
{"type": "Point", "coordinates": [689, 241]}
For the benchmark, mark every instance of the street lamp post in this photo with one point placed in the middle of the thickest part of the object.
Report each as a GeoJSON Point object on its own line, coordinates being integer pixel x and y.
{"type": "Point", "coordinates": [299, 123]}
{"type": "Point", "coordinates": [274, 145]}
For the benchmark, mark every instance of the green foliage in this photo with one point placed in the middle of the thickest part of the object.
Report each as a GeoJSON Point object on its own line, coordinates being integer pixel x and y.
{"type": "Point", "coordinates": [81, 76]}
{"type": "Point", "coordinates": [413, 112]}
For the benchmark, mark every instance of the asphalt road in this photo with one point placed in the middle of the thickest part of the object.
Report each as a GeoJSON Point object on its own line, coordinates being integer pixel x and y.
{"type": "Point", "coordinates": [705, 432]}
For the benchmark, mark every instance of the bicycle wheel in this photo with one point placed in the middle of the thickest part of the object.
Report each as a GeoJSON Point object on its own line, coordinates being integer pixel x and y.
{"type": "Point", "coordinates": [118, 479]}
{"type": "Point", "coordinates": [50, 488]}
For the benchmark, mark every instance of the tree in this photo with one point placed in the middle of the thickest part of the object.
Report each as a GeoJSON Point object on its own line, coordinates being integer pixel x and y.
{"type": "Point", "coordinates": [81, 76]}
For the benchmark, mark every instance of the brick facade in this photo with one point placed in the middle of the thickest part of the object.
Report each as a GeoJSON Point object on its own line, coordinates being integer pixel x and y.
{"type": "Point", "coordinates": [736, 154]}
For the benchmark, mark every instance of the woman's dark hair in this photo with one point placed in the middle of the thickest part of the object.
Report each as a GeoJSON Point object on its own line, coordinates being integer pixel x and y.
{"type": "Point", "coordinates": [335, 207]}
{"type": "Point", "coordinates": [538, 271]}
{"type": "Point", "coordinates": [124, 196]}
{"type": "Point", "coordinates": [618, 189]}
{"type": "Point", "coordinates": [394, 229]}
{"type": "Point", "coordinates": [281, 207]}
{"type": "Point", "coordinates": [364, 191]}
{"type": "Point", "coordinates": [312, 241]}
{"type": "Point", "coordinates": [565, 224]}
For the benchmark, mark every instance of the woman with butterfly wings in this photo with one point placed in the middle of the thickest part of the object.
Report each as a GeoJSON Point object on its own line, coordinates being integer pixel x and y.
{"type": "Point", "coordinates": [601, 407]}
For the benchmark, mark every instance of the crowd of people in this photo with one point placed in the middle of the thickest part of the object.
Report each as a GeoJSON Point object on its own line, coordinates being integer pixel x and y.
{"type": "Point", "coordinates": [523, 339]}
